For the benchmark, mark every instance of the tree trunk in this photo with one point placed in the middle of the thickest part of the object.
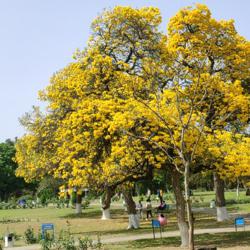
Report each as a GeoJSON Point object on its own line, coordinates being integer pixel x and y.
{"type": "Point", "coordinates": [78, 203]}
{"type": "Point", "coordinates": [134, 221]}
{"type": "Point", "coordinates": [238, 189]}
{"type": "Point", "coordinates": [220, 201]}
{"type": "Point", "coordinates": [106, 201]}
{"type": "Point", "coordinates": [180, 208]}
{"type": "Point", "coordinates": [188, 206]}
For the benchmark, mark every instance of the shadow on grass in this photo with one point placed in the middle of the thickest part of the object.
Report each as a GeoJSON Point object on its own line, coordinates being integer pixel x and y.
{"type": "Point", "coordinates": [212, 223]}
{"type": "Point", "coordinates": [93, 213]}
{"type": "Point", "coordinates": [142, 230]}
{"type": "Point", "coordinates": [218, 240]}
{"type": "Point", "coordinates": [171, 241]}
{"type": "Point", "coordinates": [224, 239]}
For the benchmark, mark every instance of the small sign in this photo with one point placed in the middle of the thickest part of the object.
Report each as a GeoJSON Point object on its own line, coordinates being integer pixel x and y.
{"type": "Point", "coordinates": [47, 227]}
{"type": "Point", "coordinates": [156, 224]}
{"type": "Point", "coordinates": [239, 222]}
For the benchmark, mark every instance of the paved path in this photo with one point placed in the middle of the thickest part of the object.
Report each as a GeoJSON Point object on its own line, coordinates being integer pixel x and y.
{"type": "Point", "coordinates": [121, 238]}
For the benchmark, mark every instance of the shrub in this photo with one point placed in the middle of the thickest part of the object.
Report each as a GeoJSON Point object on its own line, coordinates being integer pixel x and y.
{"type": "Point", "coordinates": [65, 241]}
{"type": "Point", "coordinates": [47, 243]}
{"type": "Point", "coordinates": [141, 198]}
{"type": "Point", "coordinates": [1, 243]}
{"type": "Point", "coordinates": [116, 197]}
{"type": "Point", "coordinates": [16, 236]}
{"type": "Point", "coordinates": [30, 236]}
{"type": "Point", "coordinates": [87, 243]}
{"type": "Point", "coordinates": [85, 203]}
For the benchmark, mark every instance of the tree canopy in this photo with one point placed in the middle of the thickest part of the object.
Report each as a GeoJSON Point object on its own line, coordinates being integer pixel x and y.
{"type": "Point", "coordinates": [137, 98]}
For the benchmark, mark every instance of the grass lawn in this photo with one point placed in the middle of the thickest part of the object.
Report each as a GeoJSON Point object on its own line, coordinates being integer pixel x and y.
{"type": "Point", "coordinates": [89, 223]}
{"type": "Point", "coordinates": [222, 240]}
{"type": "Point", "coordinates": [210, 195]}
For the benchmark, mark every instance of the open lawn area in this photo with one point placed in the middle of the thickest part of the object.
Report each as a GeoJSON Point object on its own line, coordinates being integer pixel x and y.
{"type": "Point", "coordinates": [89, 221]}
{"type": "Point", "coordinates": [221, 240]}
{"type": "Point", "coordinates": [90, 224]}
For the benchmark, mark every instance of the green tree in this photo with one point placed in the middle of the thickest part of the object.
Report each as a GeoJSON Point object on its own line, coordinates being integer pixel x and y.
{"type": "Point", "coordinates": [9, 183]}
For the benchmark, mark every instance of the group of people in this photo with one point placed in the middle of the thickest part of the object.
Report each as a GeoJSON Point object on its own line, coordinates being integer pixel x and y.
{"type": "Point", "coordinates": [149, 208]}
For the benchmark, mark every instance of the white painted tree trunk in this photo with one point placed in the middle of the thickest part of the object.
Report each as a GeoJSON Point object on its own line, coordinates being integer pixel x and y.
{"type": "Point", "coordinates": [222, 214]}
{"type": "Point", "coordinates": [133, 221]}
{"type": "Point", "coordinates": [106, 214]}
{"type": "Point", "coordinates": [238, 189]}
{"type": "Point", "coordinates": [180, 207]}
{"type": "Point", "coordinates": [78, 208]}
{"type": "Point", "coordinates": [221, 209]}
{"type": "Point", "coordinates": [106, 201]}
{"type": "Point", "coordinates": [183, 233]}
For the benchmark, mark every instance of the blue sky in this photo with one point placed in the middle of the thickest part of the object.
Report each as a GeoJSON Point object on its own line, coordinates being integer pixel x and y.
{"type": "Point", "coordinates": [38, 37]}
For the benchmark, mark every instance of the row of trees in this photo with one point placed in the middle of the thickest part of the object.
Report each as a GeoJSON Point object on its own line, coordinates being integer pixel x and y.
{"type": "Point", "coordinates": [137, 99]}
{"type": "Point", "coordinates": [13, 188]}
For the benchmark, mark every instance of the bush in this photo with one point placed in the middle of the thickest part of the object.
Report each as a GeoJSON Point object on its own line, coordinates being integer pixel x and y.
{"type": "Point", "coordinates": [47, 244]}
{"type": "Point", "coordinates": [16, 236]}
{"type": "Point", "coordinates": [8, 205]}
{"type": "Point", "coordinates": [141, 198]}
{"type": "Point", "coordinates": [66, 242]}
{"type": "Point", "coordinates": [85, 203]}
{"type": "Point", "coordinates": [1, 243]}
{"type": "Point", "coordinates": [30, 236]}
{"type": "Point", "coordinates": [48, 189]}
{"type": "Point", "coordinates": [87, 243]}
{"type": "Point", "coordinates": [240, 201]}
{"type": "Point", "coordinates": [116, 197]}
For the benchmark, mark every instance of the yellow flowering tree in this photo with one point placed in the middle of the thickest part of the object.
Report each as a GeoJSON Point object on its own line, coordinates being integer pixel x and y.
{"type": "Point", "coordinates": [138, 99]}
{"type": "Point", "coordinates": [205, 45]}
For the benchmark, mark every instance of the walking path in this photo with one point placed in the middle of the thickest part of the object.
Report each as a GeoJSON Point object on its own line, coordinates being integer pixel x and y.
{"type": "Point", "coordinates": [122, 238]}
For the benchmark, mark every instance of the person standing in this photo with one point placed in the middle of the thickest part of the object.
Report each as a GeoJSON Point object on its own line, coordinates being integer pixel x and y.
{"type": "Point", "coordinates": [139, 208]}
{"type": "Point", "coordinates": [149, 208]}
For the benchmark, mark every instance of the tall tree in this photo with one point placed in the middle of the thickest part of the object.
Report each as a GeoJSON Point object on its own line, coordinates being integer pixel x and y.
{"type": "Point", "coordinates": [137, 99]}
{"type": "Point", "coordinates": [10, 185]}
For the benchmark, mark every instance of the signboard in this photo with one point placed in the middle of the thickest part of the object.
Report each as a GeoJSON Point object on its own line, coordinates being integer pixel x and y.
{"type": "Point", "coordinates": [47, 229]}
{"type": "Point", "coordinates": [239, 222]}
